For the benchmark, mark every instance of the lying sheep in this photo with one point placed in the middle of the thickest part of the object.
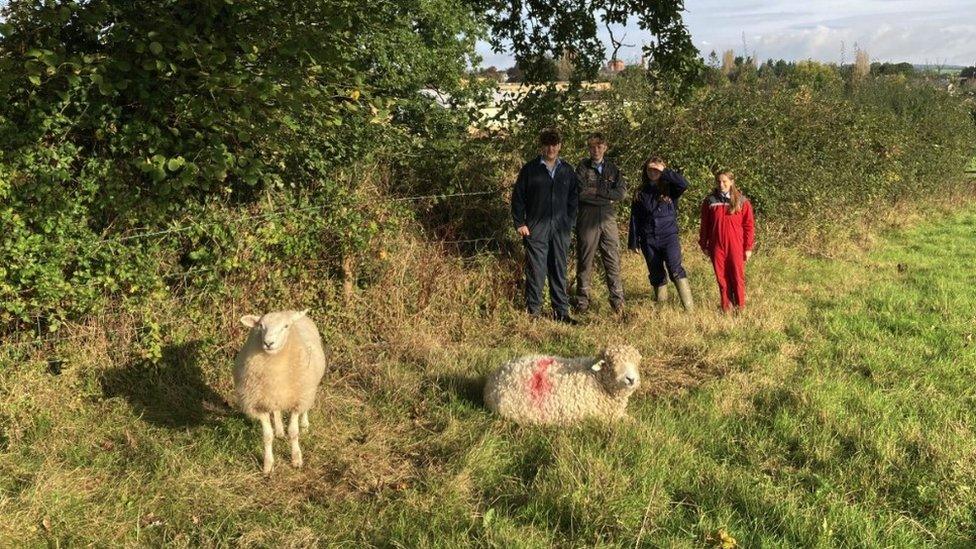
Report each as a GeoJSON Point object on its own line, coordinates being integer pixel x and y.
{"type": "Point", "coordinates": [279, 370]}
{"type": "Point", "coordinates": [552, 390]}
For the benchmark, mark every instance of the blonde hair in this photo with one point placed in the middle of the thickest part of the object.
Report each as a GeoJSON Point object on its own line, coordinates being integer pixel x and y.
{"type": "Point", "coordinates": [735, 195]}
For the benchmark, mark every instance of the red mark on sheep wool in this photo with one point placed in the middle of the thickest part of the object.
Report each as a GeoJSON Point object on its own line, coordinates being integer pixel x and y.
{"type": "Point", "coordinates": [539, 384]}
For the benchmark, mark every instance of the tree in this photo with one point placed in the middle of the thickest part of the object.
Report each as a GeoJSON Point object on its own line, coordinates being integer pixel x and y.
{"type": "Point", "coordinates": [886, 68]}
{"type": "Point", "coordinates": [535, 31]}
{"type": "Point", "coordinates": [968, 72]}
{"type": "Point", "coordinates": [728, 62]}
{"type": "Point", "coordinates": [862, 64]}
{"type": "Point", "coordinates": [713, 60]}
{"type": "Point", "coordinates": [515, 74]}
{"type": "Point", "coordinates": [492, 73]}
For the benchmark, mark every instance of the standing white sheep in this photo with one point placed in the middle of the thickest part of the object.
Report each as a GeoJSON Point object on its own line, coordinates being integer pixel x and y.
{"type": "Point", "coordinates": [278, 370]}
{"type": "Point", "coordinates": [549, 390]}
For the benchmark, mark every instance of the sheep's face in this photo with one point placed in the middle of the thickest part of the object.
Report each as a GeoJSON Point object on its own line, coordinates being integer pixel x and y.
{"type": "Point", "coordinates": [618, 369]}
{"type": "Point", "coordinates": [271, 329]}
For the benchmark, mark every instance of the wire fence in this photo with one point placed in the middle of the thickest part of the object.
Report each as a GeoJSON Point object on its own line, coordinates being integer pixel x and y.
{"type": "Point", "coordinates": [37, 336]}
{"type": "Point", "coordinates": [145, 232]}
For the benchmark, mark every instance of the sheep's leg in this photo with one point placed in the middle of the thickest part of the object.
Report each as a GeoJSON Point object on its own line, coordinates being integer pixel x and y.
{"type": "Point", "coordinates": [304, 420]}
{"type": "Point", "coordinates": [296, 451]}
{"type": "Point", "coordinates": [267, 432]}
{"type": "Point", "coordinates": [279, 427]}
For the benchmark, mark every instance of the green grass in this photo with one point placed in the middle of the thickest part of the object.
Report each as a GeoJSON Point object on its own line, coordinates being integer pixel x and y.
{"type": "Point", "coordinates": [972, 166]}
{"type": "Point", "coordinates": [837, 411]}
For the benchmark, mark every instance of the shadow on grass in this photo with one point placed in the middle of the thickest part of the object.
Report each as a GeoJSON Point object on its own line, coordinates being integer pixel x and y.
{"type": "Point", "coordinates": [171, 393]}
{"type": "Point", "coordinates": [469, 390]}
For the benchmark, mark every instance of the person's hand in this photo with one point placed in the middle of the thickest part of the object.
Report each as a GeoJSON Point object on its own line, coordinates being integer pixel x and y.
{"type": "Point", "coordinates": [748, 254]}
{"type": "Point", "coordinates": [523, 230]}
{"type": "Point", "coordinates": [659, 166]}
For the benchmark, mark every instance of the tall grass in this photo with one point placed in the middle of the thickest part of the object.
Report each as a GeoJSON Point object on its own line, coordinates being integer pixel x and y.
{"type": "Point", "coordinates": [833, 412]}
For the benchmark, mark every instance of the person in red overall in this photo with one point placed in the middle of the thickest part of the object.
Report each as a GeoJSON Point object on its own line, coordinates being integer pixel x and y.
{"type": "Point", "coordinates": [727, 235]}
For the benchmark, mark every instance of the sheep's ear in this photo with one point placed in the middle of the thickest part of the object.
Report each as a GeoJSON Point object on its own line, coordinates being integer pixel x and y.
{"type": "Point", "coordinates": [298, 315]}
{"type": "Point", "coordinates": [250, 320]}
{"type": "Point", "coordinates": [597, 366]}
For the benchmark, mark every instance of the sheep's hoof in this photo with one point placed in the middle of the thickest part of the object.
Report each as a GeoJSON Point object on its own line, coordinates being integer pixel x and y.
{"type": "Point", "coordinates": [297, 463]}
{"type": "Point", "coordinates": [268, 467]}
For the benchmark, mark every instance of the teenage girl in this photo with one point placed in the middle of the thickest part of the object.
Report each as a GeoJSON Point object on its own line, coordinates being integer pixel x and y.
{"type": "Point", "coordinates": [654, 228]}
{"type": "Point", "coordinates": [727, 236]}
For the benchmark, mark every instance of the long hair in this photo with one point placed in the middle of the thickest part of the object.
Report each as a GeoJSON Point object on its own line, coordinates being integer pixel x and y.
{"type": "Point", "coordinates": [662, 186]}
{"type": "Point", "coordinates": [735, 195]}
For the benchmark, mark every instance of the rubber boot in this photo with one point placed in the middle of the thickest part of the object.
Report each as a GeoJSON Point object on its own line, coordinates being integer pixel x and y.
{"type": "Point", "coordinates": [661, 293]}
{"type": "Point", "coordinates": [684, 291]}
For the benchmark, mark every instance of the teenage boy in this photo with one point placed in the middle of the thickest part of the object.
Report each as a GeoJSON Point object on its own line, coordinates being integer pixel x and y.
{"type": "Point", "coordinates": [544, 204]}
{"type": "Point", "coordinates": [601, 187]}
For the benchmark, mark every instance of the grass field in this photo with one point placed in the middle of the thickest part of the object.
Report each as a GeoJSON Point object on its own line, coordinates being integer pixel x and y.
{"type": "Point", "coordinates": [837, 411]}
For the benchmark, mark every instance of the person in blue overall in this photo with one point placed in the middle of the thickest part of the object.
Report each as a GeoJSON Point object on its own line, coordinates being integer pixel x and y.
{"type": "Point", "coordinates": [544, 203]}
{"type": "Point", "coordinates": [654, 228]}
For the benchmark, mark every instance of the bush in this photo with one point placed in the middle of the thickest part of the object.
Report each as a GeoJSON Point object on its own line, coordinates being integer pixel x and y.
{"type": "Point", "coordinates": [812, 153]}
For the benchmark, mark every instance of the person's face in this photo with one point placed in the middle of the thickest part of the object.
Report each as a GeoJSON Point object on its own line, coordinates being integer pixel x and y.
{"type": "Point", "coordinates": [724, 183]}
{"type": "Point", "coordinates": [551, 152]}
{"type": "Point", "coordinates": [597, 149]}
{"type": "Point", "coordinates": [654, 170]}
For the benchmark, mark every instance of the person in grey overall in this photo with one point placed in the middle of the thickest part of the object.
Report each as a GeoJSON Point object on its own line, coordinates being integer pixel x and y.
{"type": "Point", "coordinates": [544, 203]}
{"type": "Point", "coordinates": [601, 187]}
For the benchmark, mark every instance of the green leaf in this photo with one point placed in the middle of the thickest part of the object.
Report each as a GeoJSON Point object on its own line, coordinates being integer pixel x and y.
{"type": "Point", "coordinates": [156, 48]}
{"type": "Point", "coordinates": [175, 163]}
{"type": "Point", "coordinates": [35, 79]}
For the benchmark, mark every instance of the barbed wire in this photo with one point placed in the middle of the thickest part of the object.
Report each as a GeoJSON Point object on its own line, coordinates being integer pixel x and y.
{"type": "Point", "coordinates": [277, 213]}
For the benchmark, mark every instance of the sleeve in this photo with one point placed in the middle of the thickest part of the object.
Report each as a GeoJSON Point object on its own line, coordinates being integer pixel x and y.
{"type": "Point", "coordinates": [677, 184]}
{"type": "Point", "coordinates": [748, 226]}
{"type": "Point", "coordinates": [618, 191]}
{"type": "Point", "coordinates": [518, 200]}
{"type": "Point", "coordinates": [633, 242]}
{"type": "Point", "coordinates": [580, 174]}
{"type": "Point", "coordinates": [705, 227]}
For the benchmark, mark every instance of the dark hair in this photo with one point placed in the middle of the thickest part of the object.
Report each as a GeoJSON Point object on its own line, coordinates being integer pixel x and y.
{"type": "Point", "coordinates": [550, 136]}
{"type": "Point", "coordinates": [598, 137]}
{"type": "Point", "coordinates": [662, 186]}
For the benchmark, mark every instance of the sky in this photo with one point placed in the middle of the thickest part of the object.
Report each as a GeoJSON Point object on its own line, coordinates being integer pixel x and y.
{"type": "Point", "coordinates": [916, 31]}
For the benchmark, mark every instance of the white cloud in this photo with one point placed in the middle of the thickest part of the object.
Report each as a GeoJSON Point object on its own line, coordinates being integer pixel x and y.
{"type": "Point", "coordinates": [889, 30]}
{"type": "Point", "coordinates": [916, 31]}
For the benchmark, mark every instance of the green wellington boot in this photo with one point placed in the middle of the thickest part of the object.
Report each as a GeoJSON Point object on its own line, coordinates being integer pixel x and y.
{"type": "Point", "coordinates": [684, 291]}
{"type": "Point", "coordinates": [661, 293]}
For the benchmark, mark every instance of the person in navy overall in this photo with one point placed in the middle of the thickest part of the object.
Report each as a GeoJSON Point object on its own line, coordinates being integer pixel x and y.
{"type": "Point", "coordinates": [544, 203]}
{"type": "Point", "coordinates": [654, 228]}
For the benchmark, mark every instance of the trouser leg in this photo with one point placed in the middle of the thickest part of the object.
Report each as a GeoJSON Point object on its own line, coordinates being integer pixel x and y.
{"type": "Point", "coordinates": [587, 240]}
{"type": "Point", "coordinates": [654, 256]}
{"type": "Point", "coordinates": [719, 264]}
{"type": "Point", "coordinates": [558, 246]}
{"type": "Point", "coordinates": [737, 278]}
{"type": "Point", "coordinates": [672, 259]}
{"type": "Point", "coordinates": [610, 253]}
{"type": "Point", "coordinates": [536, 253]}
